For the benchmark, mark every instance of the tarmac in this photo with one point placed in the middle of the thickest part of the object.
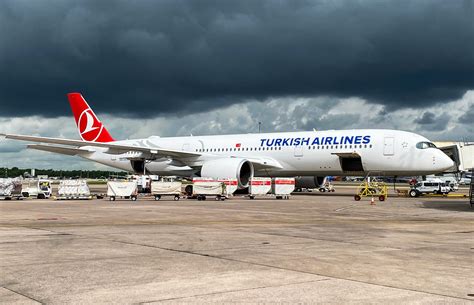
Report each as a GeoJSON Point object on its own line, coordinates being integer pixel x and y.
{"type": "Point", "coordinates": [313, 248]}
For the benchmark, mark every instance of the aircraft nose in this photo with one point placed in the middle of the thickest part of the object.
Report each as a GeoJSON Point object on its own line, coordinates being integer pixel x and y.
{"type": "Point", "coordinates": [444, 162]}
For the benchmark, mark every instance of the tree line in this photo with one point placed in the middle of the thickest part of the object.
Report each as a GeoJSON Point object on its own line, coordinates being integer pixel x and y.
{"type": "Point", "coordinates": [91, 174]}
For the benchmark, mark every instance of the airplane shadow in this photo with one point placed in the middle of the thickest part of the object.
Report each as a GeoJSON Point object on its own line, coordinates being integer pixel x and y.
{"type": "Point", "coordinates": [460, 206]}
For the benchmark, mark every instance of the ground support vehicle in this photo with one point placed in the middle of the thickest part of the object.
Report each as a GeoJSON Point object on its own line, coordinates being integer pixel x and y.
{"type": "Point", "coordinates": [435, 186]}
{"type": "Point", "coordinates": [10, 188]}
{"type": "Point", "coordinates": [259, 186]}
{"type": "Point", "coordinates": [204, 187]}
{"type": "Point", "coordinates": [372, 188]}
{"type": "Point", "coordinates": [283, 187]}
{"type": "Point", "coordinates": [122, 189]}
{"type": "Point", "coordinates": [166, 188]}
{"type": "Point", "coordinates": [36, 188]}
{"type": "Point", "coordinates": [327, 187]}
{"type": "Point", "coordinates": [73, 190]}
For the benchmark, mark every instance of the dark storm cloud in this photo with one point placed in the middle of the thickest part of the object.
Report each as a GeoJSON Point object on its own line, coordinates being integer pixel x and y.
{"type": "Point", "coordinates": [468, 117]}
{"type": "Point", "coordinates": [431, 122]}
{"type": "Point", "coordinates": [149, 57]}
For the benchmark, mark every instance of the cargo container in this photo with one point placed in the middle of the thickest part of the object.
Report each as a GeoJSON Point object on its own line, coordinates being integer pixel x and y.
{"type": "Point", "coordinates": [283, 187]}
{"type": "Point", "coordinates": [122, 189]}
{"type": "Point", "coordinates": [10, 188]}
{"type": "Point", "coordinates": [259, 186]}
{"type": "Point", "coordinates": [166, 188]}
{"type": "Point", "coordinates": [204, 187]}
{"type": "Point", "coordinates": [73, 189]}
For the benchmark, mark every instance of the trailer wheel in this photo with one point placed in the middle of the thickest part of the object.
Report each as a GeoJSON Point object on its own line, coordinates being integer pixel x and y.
{"type": "Point", "coordinates": [157, 197]}
{"type": "Point", "coordinates": [356, 197]}
{"type": "Point", "coordinates": [382, 198]}
{"type": "Point", "coordinates": [199, 198]}
{"type": "Point", "coordinates": [112, 198]}
{"type": "Point", "coordinates": [204, 198]}
{"type": "Point", "coordinates": [218, 198]}
{"type": "Point", "coordinates": [279, 197]}
{"type": "Point", "coordinates": [176, 198]}
{"type": "Point", "coordinates": [133, 198]}
{"type": "Point", "coordinates": [252, 197]}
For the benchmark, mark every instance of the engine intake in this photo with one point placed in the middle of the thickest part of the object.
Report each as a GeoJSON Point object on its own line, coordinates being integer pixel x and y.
{"type": "Point", "coordinates": [238, 168]}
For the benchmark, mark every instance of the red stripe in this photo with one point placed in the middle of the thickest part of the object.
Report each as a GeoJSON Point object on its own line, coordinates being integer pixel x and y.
{"type": "Point", "coordinates": [285, 181]}
{"type": "Point", "coordinates": [261, 182]}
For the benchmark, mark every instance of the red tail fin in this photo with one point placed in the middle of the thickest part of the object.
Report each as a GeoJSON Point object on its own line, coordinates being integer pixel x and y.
{"type": "Point", "coordinates": [89, 127]}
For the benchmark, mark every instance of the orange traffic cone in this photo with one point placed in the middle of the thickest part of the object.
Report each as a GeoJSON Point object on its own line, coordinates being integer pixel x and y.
{"type": "Point", "coordinates": [372, 201]}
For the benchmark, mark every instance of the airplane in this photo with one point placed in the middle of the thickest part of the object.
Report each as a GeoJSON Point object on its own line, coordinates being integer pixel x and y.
{"type": "Point", "coordinates": [308, 155]}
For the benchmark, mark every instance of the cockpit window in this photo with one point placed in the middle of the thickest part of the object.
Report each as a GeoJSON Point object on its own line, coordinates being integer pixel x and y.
{"type": "Point", "coordinates": [424, 145]}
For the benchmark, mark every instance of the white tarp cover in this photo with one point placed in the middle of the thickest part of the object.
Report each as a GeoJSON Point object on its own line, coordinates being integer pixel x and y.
{"type": "Point", "coordinates": [10, 186]}
{"type": "Point", "coordinates": [283, 186]}
{"type": "Point", "coordinates": [73, 188]}
{"type": "Point", "coordinates": [260, 186]}
{"type": "Point", "coordinates": [166, 188]}
{"type": "Point", "coordinates": [203, 186]}
{"type": "Point", "coordinates": [121, 188]}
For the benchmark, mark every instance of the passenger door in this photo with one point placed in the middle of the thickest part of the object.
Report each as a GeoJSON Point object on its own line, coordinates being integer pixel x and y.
{"type": "Point", "coordinates": [388, 146]}
{"type": "Point", "coordinates": [299, 151]}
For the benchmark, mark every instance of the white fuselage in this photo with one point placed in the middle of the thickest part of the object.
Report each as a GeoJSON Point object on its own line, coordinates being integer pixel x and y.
{"type": "Point", "coordinates": [314, 153]}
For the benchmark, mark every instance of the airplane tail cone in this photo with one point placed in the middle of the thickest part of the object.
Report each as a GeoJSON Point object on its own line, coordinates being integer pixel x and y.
{"type": "Point", "coordinates": [90, 128]}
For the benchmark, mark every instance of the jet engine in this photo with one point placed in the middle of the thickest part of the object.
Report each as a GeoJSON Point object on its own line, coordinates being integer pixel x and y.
{"type": "Point", "coordinates": [239, 168]}
{"type": "Point", "coordinates": [309, 182]}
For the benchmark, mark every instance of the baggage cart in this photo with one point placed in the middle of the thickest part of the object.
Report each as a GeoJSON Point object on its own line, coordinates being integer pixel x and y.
{"type": "Point", "coordinates": [283, 187]}
{"type": "Point", "coordinates": [73, 189]}
{"type": "Point", "coordinates": [10, 188]}
{"type": "Point", "coordinates": [166, 188]}
{"type": "Point", "coordinates": [204, 187]}
{"type": "Point", "coordinates": [259, 186]}
{"type": "Point", "coordinates": [122, 189]}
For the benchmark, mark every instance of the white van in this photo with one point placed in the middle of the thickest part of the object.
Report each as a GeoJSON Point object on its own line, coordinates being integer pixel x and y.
{"type": "Point", "coordinates": [435, 186]}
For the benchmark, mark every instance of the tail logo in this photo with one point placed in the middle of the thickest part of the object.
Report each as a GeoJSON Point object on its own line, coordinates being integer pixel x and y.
{"type": "Point", "coordinates": [90, 128]}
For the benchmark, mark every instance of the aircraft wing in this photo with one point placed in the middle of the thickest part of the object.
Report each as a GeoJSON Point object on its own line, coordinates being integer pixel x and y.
{"type": "Point", "coordinates": [265, 163]}
{"type": "Point", "coordinates": [71, 151]}
{"type": "Point", "coordinates": [112, 147]}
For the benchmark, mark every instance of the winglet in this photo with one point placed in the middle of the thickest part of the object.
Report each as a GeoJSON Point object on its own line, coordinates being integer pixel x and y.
{"type": "Point", "coordinates": [90, 128]}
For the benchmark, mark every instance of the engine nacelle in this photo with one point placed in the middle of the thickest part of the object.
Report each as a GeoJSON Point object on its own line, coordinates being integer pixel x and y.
{"type": "Point", "coordinates": [309, 182]}
{"type": "Point", "coordinates": [239, 168]}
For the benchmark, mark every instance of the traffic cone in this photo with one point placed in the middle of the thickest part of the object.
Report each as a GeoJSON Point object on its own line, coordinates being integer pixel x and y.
{"type": "Point", "coordinates": [372, 201]}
